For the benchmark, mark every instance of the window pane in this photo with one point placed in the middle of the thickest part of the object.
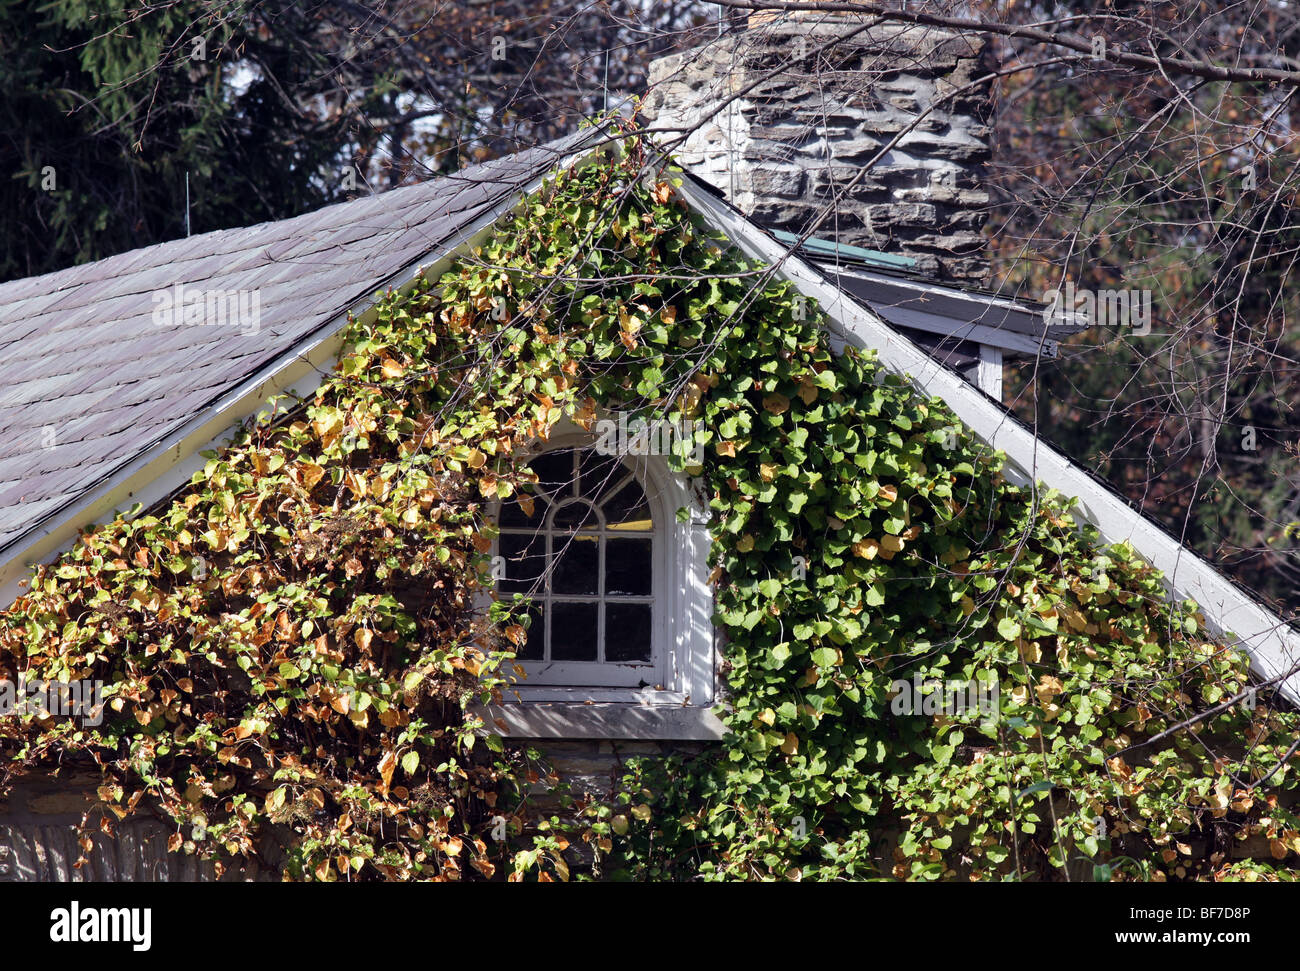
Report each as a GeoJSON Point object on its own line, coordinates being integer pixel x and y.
{"type": "Point", "coordinates": [554, 471]}
{"type": "Point", "coordinates": [600, 473]}
{"type": "Point", "coordinates": [575, 515]}
{"type": "Point", "coordinates": [576, 564]}
{"type": "Point", "coordinates": [535, 648]}
{"type": "Point", "coordinates": [627, 567]}
{"type": "Point", "coordinates": [627, 508]}
{"type": "Point", "coordinates": [512, 514]}
{"type": "Point", "coordinates": [627, 632]}
{"type": "Point", "coordinates": [525, 561]}
{"type": "Point", "coordinates": [573, 632]}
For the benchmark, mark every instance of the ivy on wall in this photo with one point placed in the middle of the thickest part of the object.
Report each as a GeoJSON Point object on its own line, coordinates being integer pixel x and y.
{"type": "Point", "coordinates": [294, 647]}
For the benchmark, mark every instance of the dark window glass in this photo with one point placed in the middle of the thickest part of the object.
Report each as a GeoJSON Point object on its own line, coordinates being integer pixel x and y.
{"type": "Point", "coordinates": [627, 567]}
{"type": "Point", "coordinates": [573, 631]}
{"type": "Point", "coordinates": [627, 632]}
{"type": "Point", "coordinates": [555, 471]}
{"type": "Point", "coordinates": [587, 511]}
{"type": "Point", "coordinates": [575, 515]}
{"type": "Point", "coordinates": [576, 564]}
{"type": "Point", "coordinates": [525, 561]}
{"type": "Point", "coordinates": [513, 515]}
{"type": "Point", "coordinates": [600, 474]}
{"type": "Point", "coordinates": [628, 506]}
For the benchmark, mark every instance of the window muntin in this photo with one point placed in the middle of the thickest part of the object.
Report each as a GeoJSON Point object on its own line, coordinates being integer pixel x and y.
{"type": "Point", "coordinates": [593, 617]}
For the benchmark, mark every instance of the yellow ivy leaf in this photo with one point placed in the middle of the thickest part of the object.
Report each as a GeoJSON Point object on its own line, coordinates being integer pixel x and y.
{"type": "Point", "coordinates": [308, 474]}
{"type": "Point", "coordinates": [387, 765]}
{"type": "Point", "coordinates": [867, 548]}
{"type": "Point", "coordinates": [1048, 688]}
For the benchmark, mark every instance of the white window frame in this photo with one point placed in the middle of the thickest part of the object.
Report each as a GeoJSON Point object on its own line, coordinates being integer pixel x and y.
{"type": "Point", "coordinates": [678, 704]}
{"type": "Point", "coordinates": [612, 674]}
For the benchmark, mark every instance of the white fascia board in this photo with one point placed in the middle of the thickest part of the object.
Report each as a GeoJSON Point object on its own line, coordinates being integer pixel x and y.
{"type": "Point", "coordinates": [1063, 323]}
{"type": "Point", "coordinates": [925, 287]}
{"type": "Point", "coordinates": [1006, 340]}
{"type": "Point", "coordinates": [1272, 644]}
{"type": "Point", "coordinates": [170, 463]}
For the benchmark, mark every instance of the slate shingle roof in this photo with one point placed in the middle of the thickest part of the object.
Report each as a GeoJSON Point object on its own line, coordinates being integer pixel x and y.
{"type": "Point", "coordinates": [89, 380]}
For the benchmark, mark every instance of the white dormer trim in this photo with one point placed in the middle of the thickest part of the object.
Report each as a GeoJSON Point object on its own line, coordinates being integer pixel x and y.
{"type": "Point", "coordinates": [680, 704]}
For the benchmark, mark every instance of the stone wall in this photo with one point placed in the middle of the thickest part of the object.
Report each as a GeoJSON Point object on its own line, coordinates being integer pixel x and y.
{"type": "Point", "coordinates": [784, 146]}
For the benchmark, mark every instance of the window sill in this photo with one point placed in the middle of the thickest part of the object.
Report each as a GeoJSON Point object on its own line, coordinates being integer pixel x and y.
{"type": "Point", "coordinates": [526, 693]}
{"type": "Point", "coordinates": [605, 719]}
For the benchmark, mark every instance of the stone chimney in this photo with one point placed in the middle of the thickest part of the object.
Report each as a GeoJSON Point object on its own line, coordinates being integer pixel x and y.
{"type": "Point", "coordinates": [841, 91]}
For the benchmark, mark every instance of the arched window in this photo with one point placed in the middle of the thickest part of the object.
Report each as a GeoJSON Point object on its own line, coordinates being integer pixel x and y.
{"type": "Point", "coordinates": [582, 545]}
{"type": "Point", "coordinates": [613, 553]}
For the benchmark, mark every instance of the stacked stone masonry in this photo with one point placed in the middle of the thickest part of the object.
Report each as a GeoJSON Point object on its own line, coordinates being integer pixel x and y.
{"type": "Point", "coordinates": [794, 117]}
